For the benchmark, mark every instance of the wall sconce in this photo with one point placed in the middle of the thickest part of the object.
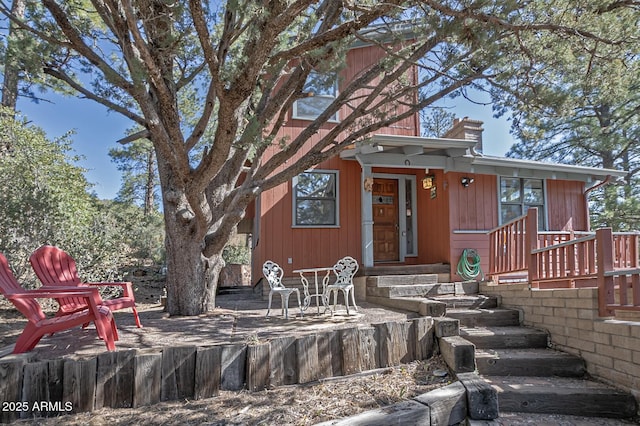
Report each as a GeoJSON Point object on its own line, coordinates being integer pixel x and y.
{"type": "Point", "coordinates": [428, 181]}
{"type": "Point", "coordinates": [466, 181]}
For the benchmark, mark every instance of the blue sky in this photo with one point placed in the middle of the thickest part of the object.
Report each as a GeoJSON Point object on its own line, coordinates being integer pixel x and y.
{"type": "Point", "coordinates": [97, 131]}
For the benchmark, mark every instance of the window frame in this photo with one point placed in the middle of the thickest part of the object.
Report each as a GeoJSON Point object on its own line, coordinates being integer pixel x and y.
{"type": "Point", "coordinates": [411, 222]}
{"type": "Point", "coordinates": [336, 199]}
{"type": "Point", "coordinates": [335, 118]}
{"type": "Point", "coordinates": [543, 220]}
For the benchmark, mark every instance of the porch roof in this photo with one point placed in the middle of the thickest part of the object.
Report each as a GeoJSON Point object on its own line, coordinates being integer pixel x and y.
{"type": "Point", "coordinates": [456, 155]}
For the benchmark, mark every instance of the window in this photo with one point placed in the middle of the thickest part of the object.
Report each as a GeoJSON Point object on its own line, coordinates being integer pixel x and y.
{"type": "Point", "coordinates": [410, 217]}
{"type": "Point", "coordinates": [315, 199]}
{"type": "Point", "coordinates": [322, 90]}
{"type": "Point", "coordinates": [517, 195]}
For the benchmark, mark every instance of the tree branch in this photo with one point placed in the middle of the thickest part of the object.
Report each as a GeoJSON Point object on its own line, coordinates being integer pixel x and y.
{"type": "Point", "coordinates": [78, 44]}
{"type": "Point", "coordinates": [90, 95]}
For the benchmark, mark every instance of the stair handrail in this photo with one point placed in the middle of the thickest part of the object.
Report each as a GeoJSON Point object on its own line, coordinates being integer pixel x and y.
{"type": "Point", "coordinates": [510, 244]}
{"type": "Point", "coordinates": [564, 244]}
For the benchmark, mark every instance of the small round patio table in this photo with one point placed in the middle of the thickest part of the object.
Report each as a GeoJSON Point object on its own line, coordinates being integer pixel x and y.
{"type": "Point", "coordinates": [305, 284]}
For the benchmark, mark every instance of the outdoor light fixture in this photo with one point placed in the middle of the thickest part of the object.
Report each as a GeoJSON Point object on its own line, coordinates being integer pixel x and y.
{"type": "Point", "coordinates": [466, 181]}
{"type": "Point", "coordinates": [428, 181]}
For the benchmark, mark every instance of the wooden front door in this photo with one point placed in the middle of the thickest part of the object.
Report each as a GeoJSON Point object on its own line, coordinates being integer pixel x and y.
{"type": "Point", "coordinates": [386, 241]}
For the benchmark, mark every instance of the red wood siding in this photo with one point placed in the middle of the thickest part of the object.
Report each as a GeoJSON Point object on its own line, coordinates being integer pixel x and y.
{"type": "Point", "coordinates": [441, 221]}
{"type": "Point", "coordinates": [358, 60]}
{"type": "Point", "coordinates": [433, 221]}
{"type": "Point", "coordinates": [461, 241]}
{"type": "Point", "coordinates": [472, 208]}
{"type": "Point", "coordinates": [476, 208]}
{"type": "Point", "coordinates": [363, 58]}
{"type": "Point", "coordinates": [566, 206]}
{"type": "Point", "coordinates": [310, 247]}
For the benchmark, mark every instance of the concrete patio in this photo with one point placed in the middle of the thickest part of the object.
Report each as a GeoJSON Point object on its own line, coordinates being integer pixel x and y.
{"type": "Point", "coordinates": [238, 318]}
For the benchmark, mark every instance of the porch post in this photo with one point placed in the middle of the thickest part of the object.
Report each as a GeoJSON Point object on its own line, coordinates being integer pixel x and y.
{"type": "Point", "coordinates": [531, 244]}
{"type": "Point", "coordinates": [604, 262]}
{"type": "Point", "coordinates": [367, 217]}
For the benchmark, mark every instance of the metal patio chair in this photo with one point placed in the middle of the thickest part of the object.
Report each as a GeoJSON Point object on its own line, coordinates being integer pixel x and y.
{"type": "Point", "coordinates": [345, 269]}
{"type": "Point", "coordinates": [273, 273]}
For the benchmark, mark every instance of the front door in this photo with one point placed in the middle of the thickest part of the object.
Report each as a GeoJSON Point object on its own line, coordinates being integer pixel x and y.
{"type": "Point", "coordinates": [386, 241]}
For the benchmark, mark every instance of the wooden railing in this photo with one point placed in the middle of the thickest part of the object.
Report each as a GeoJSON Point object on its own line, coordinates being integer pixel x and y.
{"type": "Point", "coordinates": [625, 248]}
{"type": "Point", "coordinates": [567, 264]}
{"type": "Point", "coordinates": [509, 247]}
{"type": "Point", "coordinates": [604, 259]}
{"type": "Point", "coordinates": [618, 288]}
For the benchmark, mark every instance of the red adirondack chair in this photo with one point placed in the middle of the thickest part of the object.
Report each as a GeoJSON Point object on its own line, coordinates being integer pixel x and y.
{"type": "Point", "coordinates": [39, 325]}
{"type": "Point", "coordinates": [54, 267]}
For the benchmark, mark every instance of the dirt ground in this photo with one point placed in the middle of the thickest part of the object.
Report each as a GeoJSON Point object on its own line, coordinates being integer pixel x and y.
{"type": "Point", "coordinates": [238, 318]}
{"type": "Point", "coordinates": [287, 405]}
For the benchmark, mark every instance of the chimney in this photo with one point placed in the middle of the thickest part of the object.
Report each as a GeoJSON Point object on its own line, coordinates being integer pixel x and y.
{"type": "Point", "coordinates": [467, 129]}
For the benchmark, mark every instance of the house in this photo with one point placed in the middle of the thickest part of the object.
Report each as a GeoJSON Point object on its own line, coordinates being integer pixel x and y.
{"type": "Point", "coordinates": [402, 199]}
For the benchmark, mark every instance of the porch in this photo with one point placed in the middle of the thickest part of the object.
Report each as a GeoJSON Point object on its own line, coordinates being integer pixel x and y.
{"type": "Point", "coordinates": [606, 260]}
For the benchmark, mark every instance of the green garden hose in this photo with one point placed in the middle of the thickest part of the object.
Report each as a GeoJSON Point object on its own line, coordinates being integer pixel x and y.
{"type": "Point", "coordinates": [469, 265]}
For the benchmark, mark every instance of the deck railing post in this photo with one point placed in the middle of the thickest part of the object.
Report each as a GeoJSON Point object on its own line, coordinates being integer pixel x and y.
{"type": "Point", "coordinates": [604, 262]}
{"type": "Point", "coordinates": [531, 243]}
{"type": "Point", "coordinates": [492, 254]}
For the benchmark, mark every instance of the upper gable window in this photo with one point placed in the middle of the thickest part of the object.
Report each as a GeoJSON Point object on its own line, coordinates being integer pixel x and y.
{"type": "Point", "coordinates": [321, 90]}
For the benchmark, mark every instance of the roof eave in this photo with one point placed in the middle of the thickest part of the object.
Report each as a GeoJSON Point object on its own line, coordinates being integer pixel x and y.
{"type": "Point", "coordinates": [548, 167]}
{"type": "Point", "coordinates": [433, 143]}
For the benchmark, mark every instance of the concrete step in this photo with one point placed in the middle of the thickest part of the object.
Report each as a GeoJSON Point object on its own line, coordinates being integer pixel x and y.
{"type": "Point", "coordinates": [402, 280]}
{"type": "Point", "coordinates": [440, 269]}
{"type": "Point", "coordinates": [384, 288]}
{"type": "Point", "coordinates": [416, 290]}
{"type": "Point", "coordinates": [477, 301]}
{"type": "Point", "coordinates": [526, 375]}
{"type": "Point", "coordinates": [561, 395]}
{"type": "Point", "coordinates": [485, 317]}
{"type": "Point", "coordinates": [528, 362]}
{"type": "Point", "coordinates": [504, 337]}
{"type": "Point", "coordinates": [424, 307]}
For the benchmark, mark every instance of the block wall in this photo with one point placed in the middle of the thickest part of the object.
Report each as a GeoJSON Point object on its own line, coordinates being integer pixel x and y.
{"type": "Point", "coordinates": [610, 347]}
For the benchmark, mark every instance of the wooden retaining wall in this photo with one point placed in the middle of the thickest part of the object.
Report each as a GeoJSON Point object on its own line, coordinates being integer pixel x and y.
{"type": "Point", "coordinates": [133, 378]}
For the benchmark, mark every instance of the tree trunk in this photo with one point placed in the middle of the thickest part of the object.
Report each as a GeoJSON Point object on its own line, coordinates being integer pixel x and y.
{"type": "Point", "coordinates": [11, 70]}
{"type": "Point", "coordinates": [150, 183]}
{"type": "Point", "coordinates": [610, 195]}
{"type": "Point", "coordinates": [192, 278]}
